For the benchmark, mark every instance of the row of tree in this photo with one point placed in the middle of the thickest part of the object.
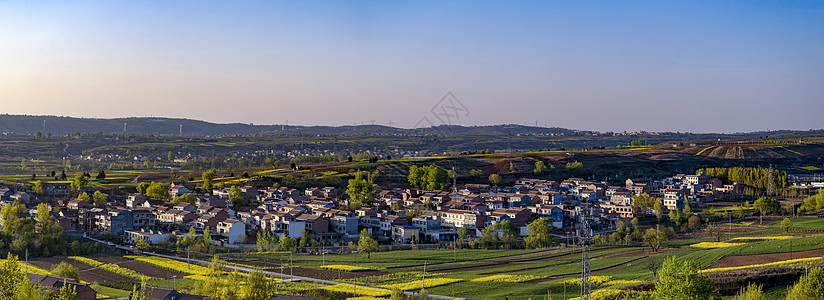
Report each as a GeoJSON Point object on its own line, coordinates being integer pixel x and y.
{"type": "Point", "coordinates": [755, 177]}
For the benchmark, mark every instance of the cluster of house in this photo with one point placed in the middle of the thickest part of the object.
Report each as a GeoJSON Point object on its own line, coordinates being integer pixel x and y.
{"type": "Point", "coordinates": [401, 215]}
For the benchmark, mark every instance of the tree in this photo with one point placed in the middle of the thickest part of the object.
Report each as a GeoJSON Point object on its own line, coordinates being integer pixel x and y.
{"type": "Point", "coordinates": [659, 209]}
{"type": "Point", "coordinates": [494, 179]}
{"type": "Point", "coordinates": [367, 244]}
{"type": "Point", "coordinates": [540, 167]}
{"type": "Point", "coordinates": [37, 187]}
{"type": "Point", "coordinates": [158, 190]}
{"type": "Point", "coordinates": [185, 198]}
{"type": "Point", "coordinates": [64, 269]}
{"type": "Point", "coordinates": [50, 237]}
{"type": "Point", "coordinates": [714, 232]}
{"type": "Point", "coordinates": [236, 196]}
{"type": "Point", "coordinates": [360, 190]}
{"type": "Point", "coordinates": [142, 187]}
{"type": "Point", "coordinates": [675, 216]}
{"type": "Point", "coordinates": [694, 222]}
{"type": "Point", "coordinates": [101, 175]}
{"type": "Point", "coordinates": [539, 233]}
{"type": "Point", "coordinates": [85, 197]}
{"type": "Point", "coordinates": [100, 198]}
{"type": "Point", "coordinates": [67, 291]}
{"type": "Point", "coordinates": [463, 233]}
{"type": "Point", "coordinates": [751, 292]}
{"type": "Point", "coordinates": [767, 206]}
{"type": "Point", "coordinates": [655, 239]}
{"type": "Point", "coordinates": [258, 286]}
{"type": "Point", "coordinates": [476, 173]}
{"type": "Point", "coordinates": [679, 280]}
{"type": "Point", "coordinates": [38, 135]}
{"type": "Point", "coordinates": [810, 286]}
{"type": "Point", "coordinates": [642, 203]}
{"type": "Point", "coordinates": [80, 180]}
{"type": "Point", "coordinates": [141, 244]}
{"type": "Point", "coordinates": [287, 243]}
{"type": "Point", "coordinates": [208, 176]}
{"type": "Point", "coordinates": [786, 224]}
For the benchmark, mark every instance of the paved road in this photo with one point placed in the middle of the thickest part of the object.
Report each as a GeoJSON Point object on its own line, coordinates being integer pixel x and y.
{"type": "Point", "coordinates": [289, 278]}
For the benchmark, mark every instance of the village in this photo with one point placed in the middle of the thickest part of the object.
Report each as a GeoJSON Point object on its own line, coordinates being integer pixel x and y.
{"type": "Point", "coordinates": [398, 216]}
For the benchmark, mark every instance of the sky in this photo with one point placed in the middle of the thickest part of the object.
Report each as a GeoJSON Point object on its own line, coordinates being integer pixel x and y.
{"type": "Point", "coordinates": [699, 66]}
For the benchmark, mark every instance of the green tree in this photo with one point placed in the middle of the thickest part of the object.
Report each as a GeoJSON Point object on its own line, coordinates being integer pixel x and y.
{"type": "Point", "coordinates": [810, 286]}
{"type": "Point", "coordinates": [208, 176]}
{"type": "Point", "coordinates": [642, 203]}
{"type": "Point", "coordinates": [678, 280]}
{"type": "Point", "coordinates": [37, 187]}
{"type": "Point", "coordinates": [540, 167]}
{"type": "Point", "coordinates": [751, 292]}
{"type": "Point", "coordinates": [694, 222]}
{"type": "Point", "coordinates": [258, 286]}
{"type": "Point", "coordinates": [786, 224]}
{"type": "Point", "coordinates": [675, 216]}
{"type": "Point", "coordinates": [85, 197]}
{"type": "Point", "coordinates": [142, 187]}
{"type": "Point", "coordinates": [50, 236]}
{"type": "Point", "coordinates": [367, 244]}
{"type": "Point", "coordinates": [141, 244]}
{"type": "Point", "coordinates": [100, 198]}
{"type": "Point", "coordinates": [361, 191]}
{"type": "Point", "coordinates": [185, 198]}
{"type": "Point", "coordinates": [80, 180]}
{"type": "Point", "coordinates": [767, 206]}
{"type": "Point", "coordinates": [658, 207]}
{"type": "Point", "coordinates": [287, 243]}
{"type": "Point", "coordinates": [494, 179]}
{"type": "Point", "coordinates": [11, 277]}
{"type": "Point", "coordinates": [67, 292]}
{"type": "Point", "coordinates": [64, 269]}
{"type": "Point", "coordinates": [475, 173]}
{"type": "Point", "coordinates": [101, 175]}
{"type": "Point", "coordinates": [236, 196]}
{"type": "Point", "coordinates": [655, 239]}
{"type": "Point", "coordinates": [158, 190]}
{"type": "Point", "coordinates": [539, 233]}
{"type": "Point", "coordinates": [463, 233]}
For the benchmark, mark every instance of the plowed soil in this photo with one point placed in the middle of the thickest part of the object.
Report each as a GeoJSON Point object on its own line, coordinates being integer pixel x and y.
{"type": "Point", "coordinates": [87, 273]}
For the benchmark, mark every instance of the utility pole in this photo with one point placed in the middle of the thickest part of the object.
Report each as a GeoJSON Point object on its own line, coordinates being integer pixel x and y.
{"type": "Point", "coordinates": [585, 236]}
{"type": "Point", "coordinates": [188, 258]}
{"type": "Point", "coordinates": [423, 279]}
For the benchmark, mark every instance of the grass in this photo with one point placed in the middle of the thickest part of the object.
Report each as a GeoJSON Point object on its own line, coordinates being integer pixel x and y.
{"type": "Point", "coordinates": [109, 293]}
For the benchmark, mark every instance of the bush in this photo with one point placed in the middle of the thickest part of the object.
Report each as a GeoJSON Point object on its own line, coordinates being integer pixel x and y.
{"type": "Point", "coordinates": [64, 269]}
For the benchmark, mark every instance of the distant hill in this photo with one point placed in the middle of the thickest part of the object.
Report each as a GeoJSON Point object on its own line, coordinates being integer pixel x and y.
{"type": "Point", "coordinates": [26, 125]}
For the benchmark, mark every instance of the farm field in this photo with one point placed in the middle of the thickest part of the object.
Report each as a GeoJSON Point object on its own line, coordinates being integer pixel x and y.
{"type": "Point", "coordinates": [475, 273]}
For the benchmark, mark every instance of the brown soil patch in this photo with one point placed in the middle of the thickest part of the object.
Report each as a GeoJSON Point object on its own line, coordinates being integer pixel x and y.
{"type": "Point", "coordinates": [331, 274]}
{"type": "Point", "coordinates": [87, 273]}
{"type": "Point", "coordinates": [141, 267]}
{"type": "Point", "coordinates": [737, 261]}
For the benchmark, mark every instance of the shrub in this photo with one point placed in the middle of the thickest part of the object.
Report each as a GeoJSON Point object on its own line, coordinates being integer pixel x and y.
{"type": "Point", "coordinates": [64, 269]}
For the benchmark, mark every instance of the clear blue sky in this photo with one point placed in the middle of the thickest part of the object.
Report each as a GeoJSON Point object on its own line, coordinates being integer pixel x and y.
{"type": "Point", "coordinates": [703, 66]}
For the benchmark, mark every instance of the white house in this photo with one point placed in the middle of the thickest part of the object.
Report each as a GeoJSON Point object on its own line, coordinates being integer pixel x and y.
{"type": "Point", "coordinates": [231, 229]}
